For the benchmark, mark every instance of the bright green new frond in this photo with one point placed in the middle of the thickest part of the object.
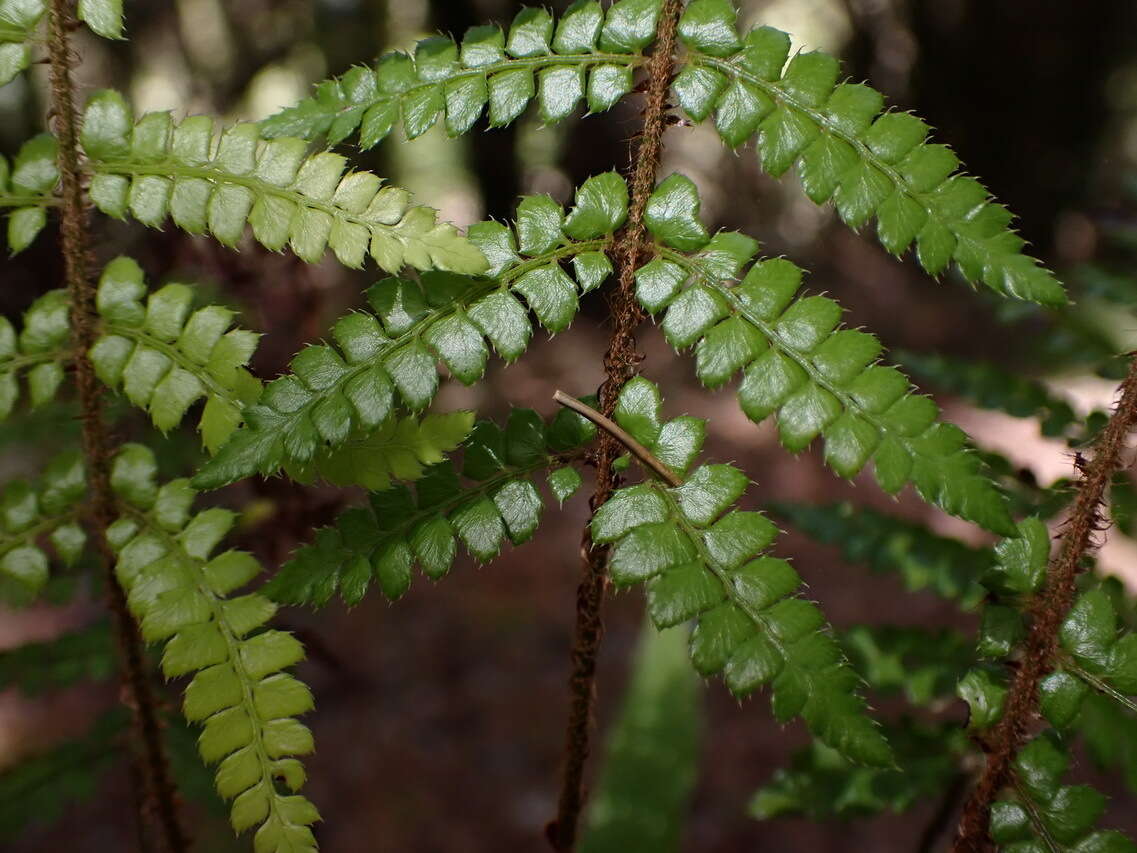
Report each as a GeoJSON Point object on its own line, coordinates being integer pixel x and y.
{"type": "Point", "coordinates": [19, 20]}
{"type": "Point", "coordinates": [868, 163]}
{"type": "Point", "coordinates": [87, 654]}
{"type": "Point", "coordinates": [40, 788]}
{"type": "Point", "coordinates": [336, 392]}
{"type": "Point", "coordinates": [703, 559]}
{"type": "Point", "coordinates": [165, 356]}
{"type": "Point", "coordinates": [154, 169]}
{"type": "Point", "coordinates": [33, 516]}
{"type": "Point", "coordinates": [652, 752]}
{"type": "Point", "coordinates": [1041, 813]}
{"type": "Point", "coordinates": [823, 785]}
{"type": "Point", "coordinates": [992, 387]}
{"type": "Point", "coordinates": [820, 380]}
{"type": "Point", "coordinates": [493, 499]}
{"type": "Point", "coordinates": [37, 355]}
{"type": "Point", "coordinates": [27, 187]}
{"type": "Point", "coordinates": [239, 692]}
{"type": "Point", "coordinates": [924, 560]}
{"type": "Point", "coordinates": [588, 55]}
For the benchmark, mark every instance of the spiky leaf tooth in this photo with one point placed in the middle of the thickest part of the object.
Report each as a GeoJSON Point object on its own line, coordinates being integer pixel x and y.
{"type": "Point", "coordinates": [587, 56]}
{"type": "Point", "coordinates": [492, 499]}
{"type": "Point", "coordinates": [335, 393]}
{"type": "Point", "coordinates": [37, 354]}
{"type": "Point", "coordinates": [868, 163]}
{"type": "Point", "coordinates": [822, 785]}
{"type": "Point", "coordinates": [154, 169]}
{"type": "Point", "coordinates": [1042, 811]}
{"type": "Point", "coordinates": [992, 387]}
{"type": "Point", "coordinates": [39, 788]}
{"type": "Point", "coordinates": [27, 185]}
{"type": "Point", "coordinates": [820, 380]}
{"type": "Point", "coordinates": [34, 515]}
{"type": "Point", "coordinates": [165, 356]}
{"type": "Point", "coordinates": [703, 559]}
{"type": "Point", "coordinates": [884, 543]}
{"type": "Point", "coordinates": [86, 654]}
{"type": "Point", "coordinates": [19, 20]}
{"type": "Point", "coordinates": [181, 593]}
{"type": "Point", "coordinates": [651, 757]}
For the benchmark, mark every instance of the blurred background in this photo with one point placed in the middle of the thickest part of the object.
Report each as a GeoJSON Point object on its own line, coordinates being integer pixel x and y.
{"type": "Point", "coordinates": [439, 720]}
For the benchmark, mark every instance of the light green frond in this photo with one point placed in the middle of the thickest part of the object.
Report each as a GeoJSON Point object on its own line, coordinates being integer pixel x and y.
{"type": "Point", "coordinates": [588, 55]}
{"type": "Point", "coordinates": [37, 356]}
{"type": "Point", "coordinates": [336, 392]}
{"type": "Point", "coordinates": [181, 593]}
{"type": "Point", "coordinates": [702, 558]}
{"type": "Point", "coordinates": [796, 362]}
{"type": "Point", "coordinates": [19, 20]}
{"type": "Point", "coordinates": [154, 170]}
{"type": "Point", "coordinates": [34, 516]}
{"type": "Point", "coordinates": [27, 187]}
{"type": "Point", "coordinates": [165, 355]}
{"type": "Point", "coordinates": [869, 163]}
{"type": "Point", "coordinates": [104, 17]}
{"type": "Point", "coordinates": [491, 500]}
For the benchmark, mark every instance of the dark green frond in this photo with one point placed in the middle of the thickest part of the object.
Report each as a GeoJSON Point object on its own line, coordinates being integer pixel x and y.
{"type": "Point", "coordinates": [27, 186]}
{"type": "Point", "coordinates": [86, 654]}
{"type": "Point", "coordinates": [36, 356]}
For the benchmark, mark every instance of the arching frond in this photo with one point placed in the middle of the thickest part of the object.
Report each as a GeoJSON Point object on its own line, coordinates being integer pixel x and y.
{"type": "Point", "coordinates": [588, 55]}
{"type": "Point", "coordinates": [239, 691]}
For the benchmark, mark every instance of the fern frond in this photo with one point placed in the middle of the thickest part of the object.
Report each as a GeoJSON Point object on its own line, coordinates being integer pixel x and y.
{"type": "Point", "coordinates": [922, 559]}
{"type": "Point", "coordinates": [27, 187]}
{"type": "Point", "coordinates": [32, 514]}
{"type": "Point", "coordinates": [104, 17]}
{"type": "Point", "coordinates": [165, 356]}
{"type": "Point", "coordinates": [652, 752]}
{"type": "Point", "coordinates": [239, 691]}
{"type": "Point", "coordinates": [702, 559]}
{"type": "Point", "coordinates": [847, 151]}
{"type": "Point", "coordinates": [991, 387]}
{"type": "Point", "coordinates": [819, 380]}
{"type": "Point", "coordinates": [86, 654]}
{"type": "Point", "coordinates": [924, 665]}
{"type": "Point", "coordinates": [823, 785]}
{"type": "Point", "coordinates": [37, 354]}
{"type": "Point", "coordinates": [1109, 732]}
{"type": "Point", "coordinates": [1043, 813]}
{"type": "Point", "coordinates": [333, 392]}
{"type": "Point", "coordinates": [19, 20]}
{"type": "Point", "coordinates": [588, 55]}
{"type": "Point", "coordinates": [154, 169]}
{"type": "Point", "coordinates": [38, 789]}
{"type": "Point", "coordinates": [493, 499]}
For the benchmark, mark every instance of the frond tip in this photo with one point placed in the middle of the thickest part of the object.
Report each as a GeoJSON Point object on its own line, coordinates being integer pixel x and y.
{"type": "Point", "coordinates": [154, 169]}
{"type": "Point", "coordinates": [239, 691]}
{"type": "Point", "coordinates": [703, 559]}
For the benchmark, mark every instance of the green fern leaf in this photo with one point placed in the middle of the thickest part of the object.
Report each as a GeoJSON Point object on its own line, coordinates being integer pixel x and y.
{"type": "Point", "coordinates": [102, 16]}
{"type": "Point", "coordinates": [153, 169]}
{"type": "Point", "coordinates": [588, 55]}
{"type": "Point", "coordinates": [19, 20]}
{"type": "Point", "coordinates": [32, 515]}
{"type": "Point", "coordinates": [1046, 813]}
{"type": "Point", "coordinates": [165, 356]}
{"type": "Point", "coordinates": [493, 499]}
{"type": "Point", "coordinates": [350, 389]}
{"type": "Point", "coordinates": [795, 362]}
{"type": "Point", "coordinates": [922, 559]}
{"type": "Point", "coordinates": [867, 163]}
{"type": "Point", "coordinates": [239, 690]}
{"type": "Point", "coordinates": [38, 353]}
{"type": "Point", "coordinates": [702, 559]}
{"type": "Point", "coordinates": [650, 763]}
{"type": "Point", "coordinates": [87, 654]}
{"type": "Point", "coordinates": [27, 187]}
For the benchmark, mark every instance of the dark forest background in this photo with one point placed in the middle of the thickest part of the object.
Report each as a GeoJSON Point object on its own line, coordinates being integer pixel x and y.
{"type": "Point", "coordinates": [439, 719]}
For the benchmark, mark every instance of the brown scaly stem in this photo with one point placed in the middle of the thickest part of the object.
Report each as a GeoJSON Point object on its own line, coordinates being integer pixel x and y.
{"type": "Point", "coordinates": [1048, 612]}
{"type": "Point", "coordinates": [620, 362]}
{"type": "Point", "coordinates": [97, 447]}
